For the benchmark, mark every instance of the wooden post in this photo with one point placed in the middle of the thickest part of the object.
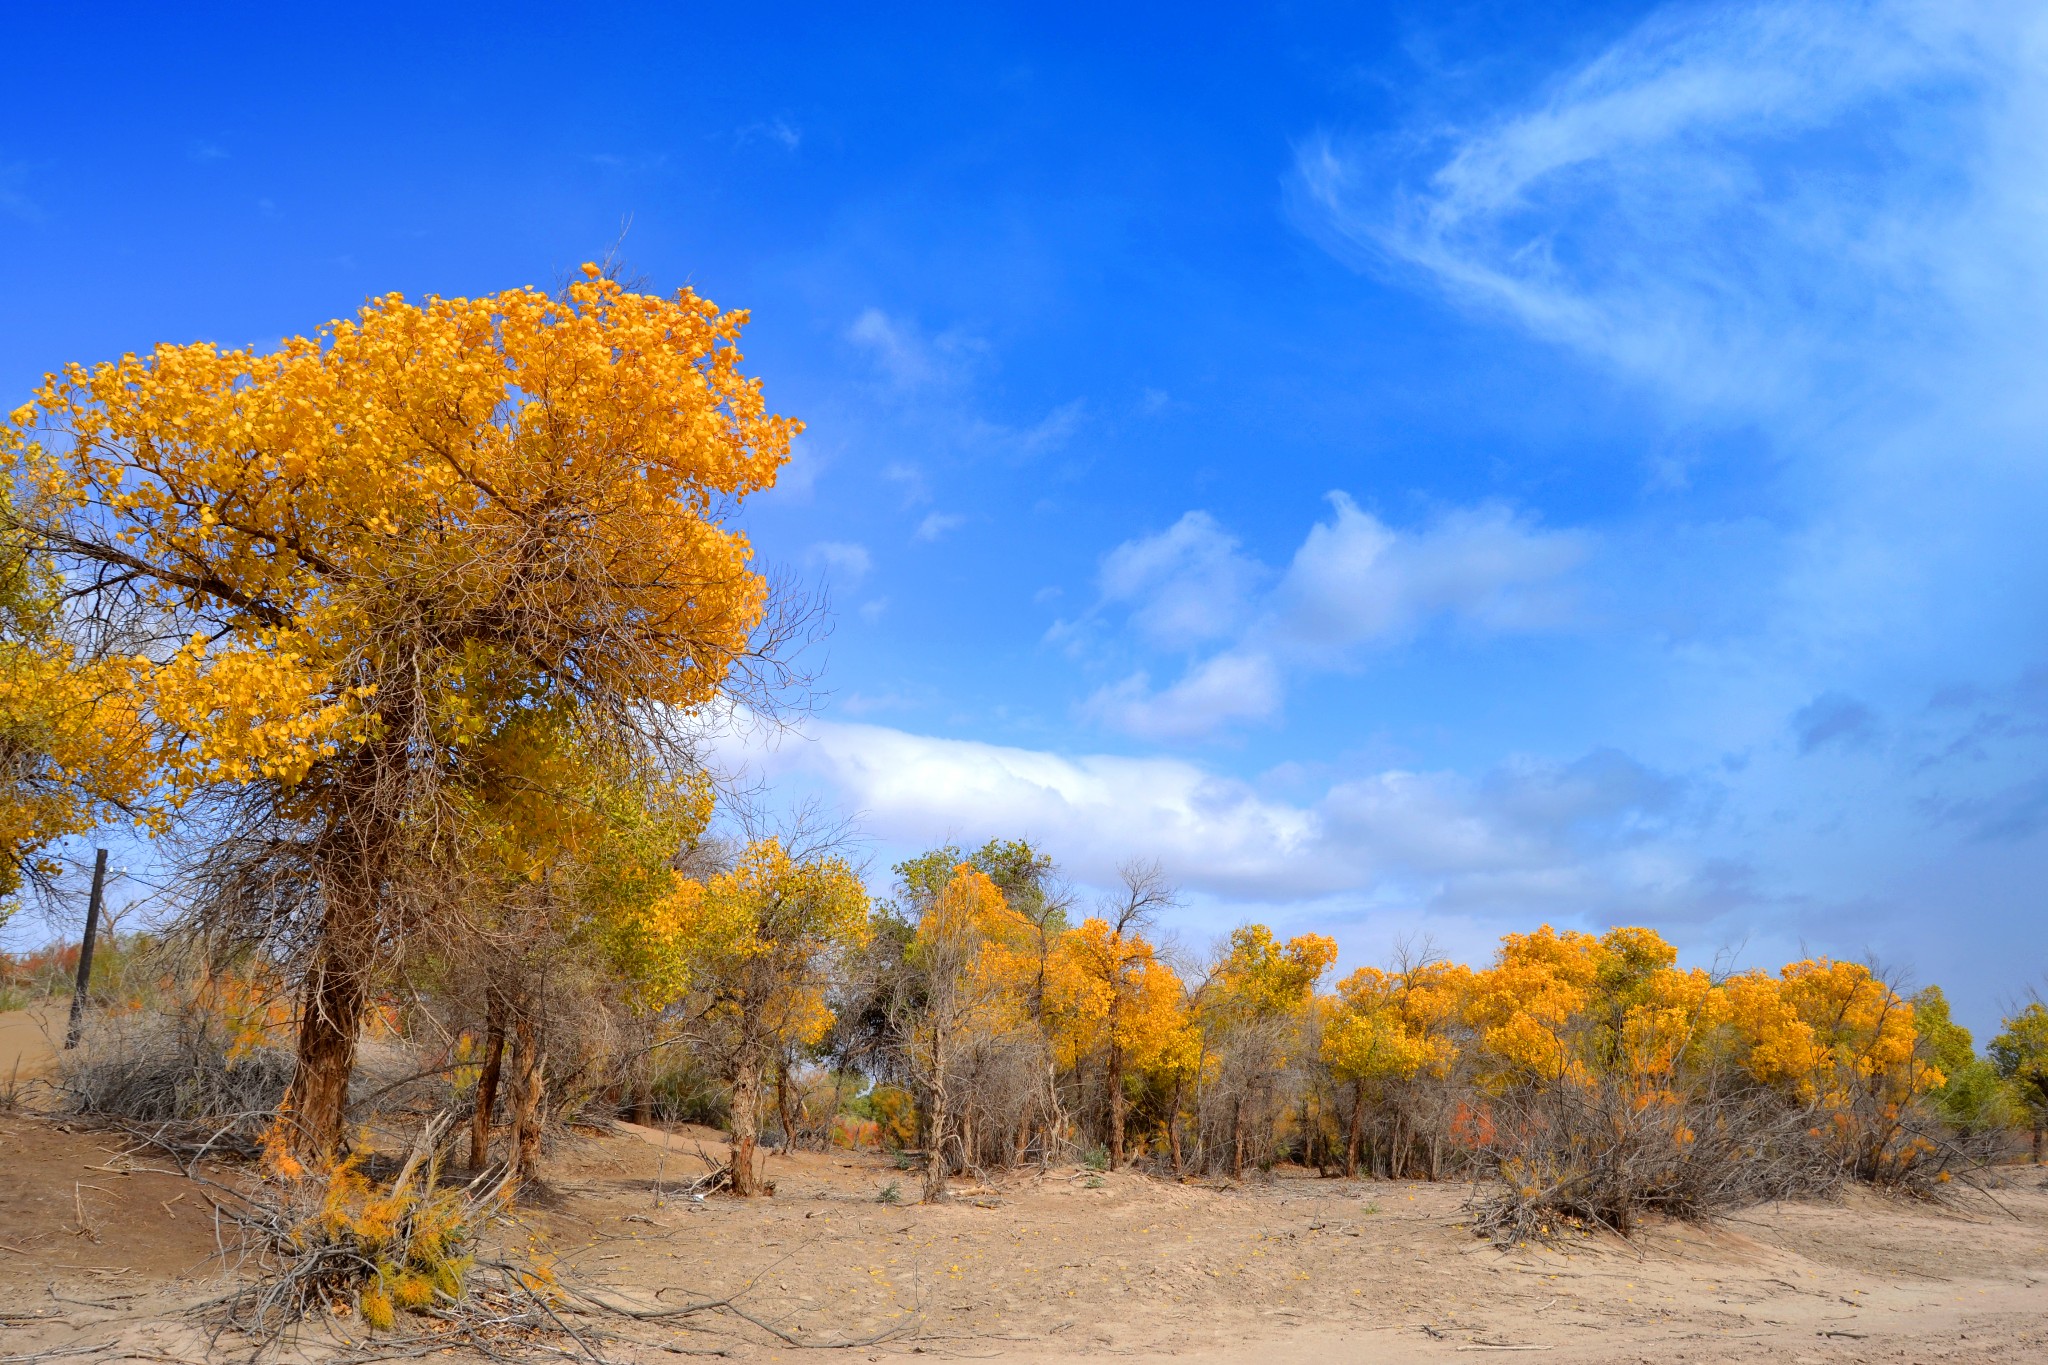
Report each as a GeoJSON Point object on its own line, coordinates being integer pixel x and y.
{"type": "Point", "coordinates": [92, 929]}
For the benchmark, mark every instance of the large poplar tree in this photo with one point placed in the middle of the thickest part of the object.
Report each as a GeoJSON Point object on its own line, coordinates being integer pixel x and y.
{"type": "Point", "coordinates": [368, 552]}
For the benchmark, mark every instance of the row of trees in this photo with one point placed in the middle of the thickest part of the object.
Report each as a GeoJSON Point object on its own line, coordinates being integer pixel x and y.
{"type": "Point", "coordinates": [1022, 1033]}
{"type": "Point", "coordinates": [398, 638]}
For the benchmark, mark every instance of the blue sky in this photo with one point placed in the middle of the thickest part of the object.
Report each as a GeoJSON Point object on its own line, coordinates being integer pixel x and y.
{"type": "Point", "coordinates": [1409, 468]}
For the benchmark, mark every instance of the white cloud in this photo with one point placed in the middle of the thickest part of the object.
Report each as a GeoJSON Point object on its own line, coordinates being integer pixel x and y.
{"type": "Point", "coordinates": [1048, 433]}
{"type": "Point", "coordinates": [797, 480]}
{"type": "Point", "coordinates": [1219, 691]}
{"type": "Point", "coordinates": [937, 524]}
{"type": "Point", "coordinates": [847, 560]}
{"type": "Point", "coordinates": [910, 479]}
{"type": "Point", "coordinates": [1187, 585]}
{"type": "Point", "coordinates": [1819, 228]}
{"type": "Point", "coordinates": [1600, 836]}
{"type": "Point", "coordinates": [1355, 582]}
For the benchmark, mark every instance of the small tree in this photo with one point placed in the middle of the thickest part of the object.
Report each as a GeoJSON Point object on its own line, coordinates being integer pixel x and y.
{"type": "Point", "coordinates": [1973, 1098]}
{"type": "Point", "coordinates": [2020, 1053]}
{"type": "Point", "coordinates": [959, 983]}
{"type": "Point", "coordinates": [1130, 1002]}
{"type": "Point", "coordinates": [1254, 1009]}
{"type": "Point", "coordinates": [753, 951]}
{"type": "Point", "coordinates": [1373, 1040]}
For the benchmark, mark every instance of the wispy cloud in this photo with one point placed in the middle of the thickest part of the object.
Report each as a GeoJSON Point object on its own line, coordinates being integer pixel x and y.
{"type": "Point", "coordinates": [910, 479]}
{"type": "Point", "coordinates": [778, 131]}
{"type": "Point", "coordinates": [632, 163]}
{"type": "Point", "coordinates": [1734, 201]}
{"type": "Point", "coordinates": [1833, 718]}
{"type": "Point", "coordinates": [15, 201]}
{"type": "Point", "coordinates": [896, 347]}
{"type": "Point", "coordinates": [931, 375]}
{"type": "Point", "coordinates": [1355, 583]}
{"type": "Point", "coordinates": [937, 524]}
{"type": "Point", "coordinates": [847, 561]}
{"type": "Point", "coordinates": [1813, 229]}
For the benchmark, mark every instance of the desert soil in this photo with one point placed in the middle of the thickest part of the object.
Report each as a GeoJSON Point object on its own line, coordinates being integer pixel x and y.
{"type": "Point", "coordinates": [101, 1245]}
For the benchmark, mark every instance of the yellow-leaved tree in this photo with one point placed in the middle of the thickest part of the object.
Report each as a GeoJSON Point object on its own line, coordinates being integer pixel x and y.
{"type": "Point", "coordinates": [965, 976]}
{"type": "Point", "coordinates": [752, 951]}
{"type": "Point", "coordinates": [1253, 1010]}
{"type": "Point", "coordinates": [364, 553]}
{"type": "Point", "coordinates": [70, 735]}
{"type": "Point", "coordinates": [1126, 1007]}
{"type": "Point", "coordinates": [1385, 1028]}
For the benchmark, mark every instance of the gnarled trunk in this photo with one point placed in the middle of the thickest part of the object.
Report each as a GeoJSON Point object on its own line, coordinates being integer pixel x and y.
{"type": "Point", "coordinates": [337, 991]}
{"type": "Point", "coordinates": [938, 1118]}
{"type": "Point", "coordinates": [487, 1080]}
{"type": "Point", "coordinates": [529, 1064]}
{"type": "Point", "coordinates": [746, 1126]}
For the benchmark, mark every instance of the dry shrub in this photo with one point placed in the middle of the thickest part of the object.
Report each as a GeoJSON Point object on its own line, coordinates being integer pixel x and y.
{"type": "Point", "coordinates": [181, 1075]}
{"type": "Point", "coordinates": [1578, 1156]}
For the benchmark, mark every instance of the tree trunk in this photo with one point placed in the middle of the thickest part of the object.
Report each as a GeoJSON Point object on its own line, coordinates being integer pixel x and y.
{"type": "Point", "coordinates": [937, 1121]}
{"type": "Point", "coordinates": [1114, 1078]}
{"type": "Point", "coordinates": [936, 1113]}
{"type": "Point", "coordinates": [487, 1080]}
{"type": "Point", "coordinates": [782, 1111]}
{"type": "Point", "coordinates": [2038, 1132]}
{"type": "Point", "coordinates": [1355, 1130]}
{"type": "Point", "coordinates": [330, 1019]}
{"type": "Point", "coordinates": [746, 1126]}
{"type": "Point", "coordinates": [1237, 1139]}
{"type": "Point", "coordinates": [1173, 1130]}
{"type": "Point", "coordinates": [529, 1066]}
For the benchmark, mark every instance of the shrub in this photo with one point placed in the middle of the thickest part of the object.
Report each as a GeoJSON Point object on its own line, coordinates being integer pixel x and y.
{"type": "Point", "coordinates": [1573, 1157]}
{"type": "Point", "coordinates": [335, 1237]}
{"type": "Point", "coordinates": [178, 1071]}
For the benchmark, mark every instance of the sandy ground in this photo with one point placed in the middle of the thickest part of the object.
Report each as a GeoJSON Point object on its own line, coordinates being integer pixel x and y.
{"type": "Point", "coordinates": [97, 1247]}
{"type": "Point", "coordinates": [28, 1040]}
